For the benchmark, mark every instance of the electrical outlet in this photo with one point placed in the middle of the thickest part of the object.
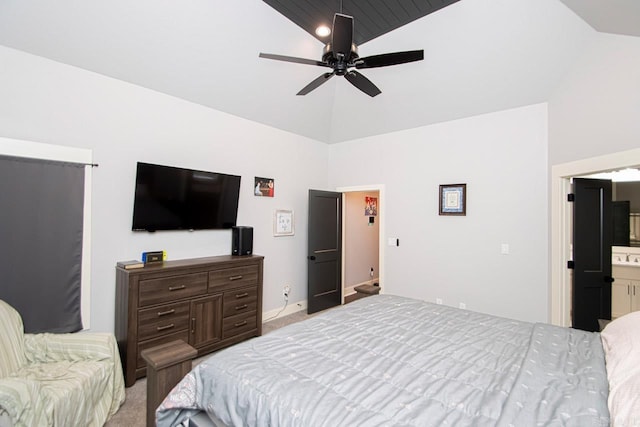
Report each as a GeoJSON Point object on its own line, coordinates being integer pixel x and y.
{"type": "Point", "coordinates": [439, 301]}
{"type": "Point", "coordinates": [285, 292]}
{"type": "Point", "coordinates": [462, 306]}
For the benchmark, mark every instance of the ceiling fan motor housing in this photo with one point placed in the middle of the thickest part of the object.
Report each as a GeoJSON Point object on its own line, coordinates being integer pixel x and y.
{"type": "Point", "coordinates": [337, 61]}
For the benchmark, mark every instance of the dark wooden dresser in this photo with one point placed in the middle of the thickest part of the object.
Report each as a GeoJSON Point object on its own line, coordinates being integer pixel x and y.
{"type": "Point", "coordinates": [209, 303]}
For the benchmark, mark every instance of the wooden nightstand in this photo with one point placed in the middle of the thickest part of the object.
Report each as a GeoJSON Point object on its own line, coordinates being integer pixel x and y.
{"type": "Point", "coordinates": [167, 364]}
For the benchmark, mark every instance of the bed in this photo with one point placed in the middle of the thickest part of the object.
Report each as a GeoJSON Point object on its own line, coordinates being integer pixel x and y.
{"type": "Point", "coordinates": [392, 361]}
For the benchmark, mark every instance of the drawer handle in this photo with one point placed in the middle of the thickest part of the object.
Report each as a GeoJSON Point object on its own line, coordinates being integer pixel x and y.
{"type": "Point", "coordinates": [241, 307]}
{"type": "Point", "coordinates": [238, 277]}
{"type": "Point", "coordinates": [242, 295]}
{"type": "Point", "coordinates": [162, 328]}
{"type": "Point", "coordinates": [164, 313]}
{"type": "Point", "coordinates": [237, 325]}
{"type": "Point", "coordinates": [176, 288]}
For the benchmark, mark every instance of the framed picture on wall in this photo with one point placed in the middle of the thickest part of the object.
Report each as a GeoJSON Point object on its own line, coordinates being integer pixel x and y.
{"type": "Point", "coordinates": [453, 199]}
{"type": "Point", "coordinates": [370, 206]}
{"type": "Point", "coordinates": [283, 224]}
{"type": "Point", "coordinates": [263, 187]}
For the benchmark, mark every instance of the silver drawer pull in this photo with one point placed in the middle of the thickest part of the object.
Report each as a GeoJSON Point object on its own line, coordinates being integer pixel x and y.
{"type": "Point", "coordinates": [238, 277]}
{"type": "Point", "coordinates": [162, 328]}
{"type": "Point", "coordinates": [237, 325]}
{"type": "Point", "coordinates": [242, 295]}
{"type": "Point", "coordinates": [176, 288]}
{"type": "Point", "coordinates": [164, 313]}
{"type": "Point", "coordinates": [241, 307]}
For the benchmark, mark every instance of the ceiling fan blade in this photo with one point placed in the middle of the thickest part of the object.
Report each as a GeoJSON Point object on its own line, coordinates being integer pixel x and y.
{"type": "Point", "coordinates": [314, 84]}
{"type": "Point", "coordinates": [342, 38]}
{"type": "Point", "coordinates": [293, 59]}
{"type": "Point", "coordinates": [386, 59]}
{"type": "Point", "coordinates": [362, 83]}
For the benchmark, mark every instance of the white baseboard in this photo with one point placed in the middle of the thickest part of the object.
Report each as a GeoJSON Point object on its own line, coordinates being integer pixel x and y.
{"type": "Point", "coordinates": [350, 290]}
{"type": "Point", "coordinates": [291, 308]}
{"type": "Point", "coordinates": [295, 307]}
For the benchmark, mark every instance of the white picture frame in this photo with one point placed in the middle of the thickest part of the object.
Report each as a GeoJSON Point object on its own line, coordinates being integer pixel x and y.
{"type": "Point", "coordinates": [283, 223]}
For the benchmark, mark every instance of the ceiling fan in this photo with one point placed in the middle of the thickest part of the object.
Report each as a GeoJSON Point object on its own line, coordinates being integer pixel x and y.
{"type": "Point", "coordinates": [341, 54]}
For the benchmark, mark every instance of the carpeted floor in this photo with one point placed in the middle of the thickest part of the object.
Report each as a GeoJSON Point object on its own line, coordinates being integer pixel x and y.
{"type": "Point", "coordinates": [133, 412]}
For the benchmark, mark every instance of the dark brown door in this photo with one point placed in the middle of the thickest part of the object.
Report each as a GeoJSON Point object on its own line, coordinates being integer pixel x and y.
{"type": "Point", "coordinates": [324, 257]}
{"type": "Point", "coordinates": [206, 320]}
{"type": "Point", "coordinates": [592, 238]}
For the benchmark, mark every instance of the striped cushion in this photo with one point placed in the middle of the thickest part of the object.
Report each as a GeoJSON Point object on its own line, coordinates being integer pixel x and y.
{"type": "Point", "coordinates": [67, 380]}
{"type": "Point", "coordinates": [12, 356]}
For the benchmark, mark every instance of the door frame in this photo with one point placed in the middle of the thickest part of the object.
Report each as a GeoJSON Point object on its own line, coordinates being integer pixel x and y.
{"type": "Point", "coordinates": [561, 223]}
{"type": "Point", "coordinates": [381, 210]}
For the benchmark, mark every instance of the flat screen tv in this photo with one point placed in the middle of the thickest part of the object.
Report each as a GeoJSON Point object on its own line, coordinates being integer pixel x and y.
{"type": "Point", "coordinates": [171, 198]}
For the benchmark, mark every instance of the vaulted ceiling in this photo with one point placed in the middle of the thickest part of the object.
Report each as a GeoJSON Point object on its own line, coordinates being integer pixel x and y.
{"type": "Point", "coordinates": [480, 55]}
{"type": "Point", "coordinates": [374, 17]}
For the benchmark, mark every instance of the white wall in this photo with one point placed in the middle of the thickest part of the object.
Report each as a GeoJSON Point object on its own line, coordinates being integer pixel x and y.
{"type": "Point", "coordinates": [593, 126]}
{"type": "Point", "coordinates": [502, 157]}
{"type": "Point", "coordinates": [593, 111]}
{"type": "Point", "coordinates": [596, 107]}
{"type": "Point", "coordinates": [361, 239]}
{"type": "Point", "coordinates": [49, 102]}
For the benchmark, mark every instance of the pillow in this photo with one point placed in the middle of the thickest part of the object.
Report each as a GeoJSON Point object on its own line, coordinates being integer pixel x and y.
{"type": "Point", "coordinates": [621, 344]}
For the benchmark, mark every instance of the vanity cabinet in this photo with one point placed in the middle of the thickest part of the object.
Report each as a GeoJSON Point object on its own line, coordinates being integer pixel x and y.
{"type": "Point", "coordinates": [625, 291]}
{"type": "Point", "coordinates": [209, 303]}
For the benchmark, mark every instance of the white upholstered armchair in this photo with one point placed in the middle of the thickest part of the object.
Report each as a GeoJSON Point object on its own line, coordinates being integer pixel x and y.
{"type": "Point", "coordinates": [57, 379]}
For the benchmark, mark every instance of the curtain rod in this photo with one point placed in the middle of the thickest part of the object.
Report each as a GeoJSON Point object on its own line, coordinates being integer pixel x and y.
{"type": "Point", "coordinates": [19, 157]}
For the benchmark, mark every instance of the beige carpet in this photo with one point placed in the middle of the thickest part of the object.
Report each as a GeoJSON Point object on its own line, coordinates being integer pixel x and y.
{"type": "Point", "coordinates": [133, 412]}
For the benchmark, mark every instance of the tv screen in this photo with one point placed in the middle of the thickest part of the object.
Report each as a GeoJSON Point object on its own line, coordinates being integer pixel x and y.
{"type": "Point", "coordinates": [171, 198]}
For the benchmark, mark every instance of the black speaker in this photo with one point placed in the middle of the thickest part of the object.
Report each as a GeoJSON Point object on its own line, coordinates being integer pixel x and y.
{"type": "Point", "coordinates": [241, 240]}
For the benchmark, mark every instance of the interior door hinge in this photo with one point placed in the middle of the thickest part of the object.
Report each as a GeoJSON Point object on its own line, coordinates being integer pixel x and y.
{"type": "Point", "coordinates": [570, 264]}
{"type": "Point", "coordinates": [571, 197]}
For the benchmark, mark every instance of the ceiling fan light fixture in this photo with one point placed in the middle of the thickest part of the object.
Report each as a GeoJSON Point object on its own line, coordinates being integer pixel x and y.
{"type": "Point", "coordinates": [323, 31]}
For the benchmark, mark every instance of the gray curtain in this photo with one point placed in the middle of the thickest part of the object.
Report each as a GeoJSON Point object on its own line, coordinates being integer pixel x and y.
{"type": "Point", "coordinates": [41, 214]}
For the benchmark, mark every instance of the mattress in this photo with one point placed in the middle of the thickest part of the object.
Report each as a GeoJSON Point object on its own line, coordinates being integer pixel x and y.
{"type": "Point", "coordinates": [391, 361]}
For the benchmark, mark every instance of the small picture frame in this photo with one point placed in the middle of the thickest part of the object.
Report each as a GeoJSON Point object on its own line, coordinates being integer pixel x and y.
{"type": "Point", "coordinates": [263, 187]}
{"type": "Point", "coordinates": [370, 206]}
{"type": "Point", "coordinates": [283, 223]}
{"type": "Point", "coordinates": [453, 199]}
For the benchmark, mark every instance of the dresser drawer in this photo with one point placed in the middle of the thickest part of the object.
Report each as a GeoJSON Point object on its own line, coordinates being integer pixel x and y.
{"type": "Point", "coordinates": [142, 345]}
{"type": "Point", "coordinates": [238, 324]}
{"type": "Point", "coordinates": [240, 301]}
{"type": "Point", "coordinates": [168, 289]}
{"type": "Point", "coordinates": [237, 276]}
{"type": "Point", "coordinates": [158, 321]}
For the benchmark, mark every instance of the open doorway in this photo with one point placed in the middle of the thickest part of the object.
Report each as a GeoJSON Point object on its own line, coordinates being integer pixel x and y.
{"type": "Point", "coordinates": [561, 224]}
{"type": "Point", "coordinates": [362, 234]}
